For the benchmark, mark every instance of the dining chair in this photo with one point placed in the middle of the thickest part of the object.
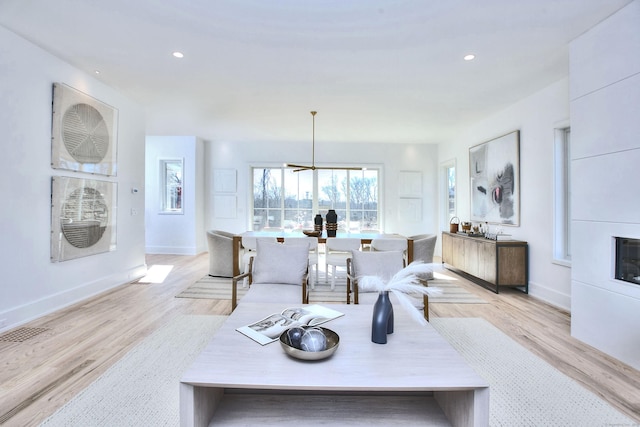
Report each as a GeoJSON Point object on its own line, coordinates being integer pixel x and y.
{"type": "Point", "coordinates": [312, 244]}
{"type": "Point", "coordinates": [423, 249]}
{"type": "Point", "coordinates": [250, 245]}
{"type": "Point", "coordinates": [337, 250]}
{"type": "Point", "coordinates": [381, 264]}
{"type": "Point", "coordinates": [220, 245]}
{"type": "Point", "coordinates": [277, 273]}
{"type": "Point", "coordinates": [384, 264]}
{"type": "Point", "coordinates": [385, 244]}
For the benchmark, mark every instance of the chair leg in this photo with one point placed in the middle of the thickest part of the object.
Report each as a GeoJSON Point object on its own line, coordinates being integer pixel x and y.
{"type": "Point", "coordinates": [312, 282]}
{"type": "Point", "coordinates": [333, 277]}
{"type": "Point", "coordinates": [425, 300]}
{"type": "Point", "coordinates": [244, 281]}
{"type": "Point", "coordinates": [326, 273]}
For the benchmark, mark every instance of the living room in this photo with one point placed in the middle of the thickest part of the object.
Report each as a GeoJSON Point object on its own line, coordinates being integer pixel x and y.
{"type": "Point", "coordinates": [596, 97]}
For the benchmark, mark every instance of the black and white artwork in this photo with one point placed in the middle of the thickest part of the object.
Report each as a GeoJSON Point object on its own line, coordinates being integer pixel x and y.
{"type": "Point", "coordinates": [83, 217]}
{"type": "Point", "coordinates": [494, 169]}
{"type": "Point", "coordinates": [83, 133]}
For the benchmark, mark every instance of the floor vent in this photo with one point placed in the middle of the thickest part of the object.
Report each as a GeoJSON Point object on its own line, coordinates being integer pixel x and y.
{"type": "Point", "coordinates": [21, 334]}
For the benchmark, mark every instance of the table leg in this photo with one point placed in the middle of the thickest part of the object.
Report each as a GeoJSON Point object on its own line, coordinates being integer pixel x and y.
{"type": "Point", "coordinates": [198, 404]}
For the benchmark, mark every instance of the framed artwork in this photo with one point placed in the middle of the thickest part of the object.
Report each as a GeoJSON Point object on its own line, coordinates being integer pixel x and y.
{"type": "Point", "coordinates": [410, 184]}
{"type": "Point", "coordinates": [494, 170]}
{"type": "Point", "coordinates": [410, 209]}
{"type": "Point", "coordinates": [224, 180]}
{"type": "Point", "coordinates": [224, 206]}
{"type": "Point", "coordinates": [83, 133]}
{"type": "Point", "coordinates": [83, 217]}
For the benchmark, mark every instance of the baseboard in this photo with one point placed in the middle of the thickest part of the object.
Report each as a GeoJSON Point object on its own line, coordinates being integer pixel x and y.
{"type": "Point", "coordinates": [551, 296]}
{"type": "Point", "coordinates": [171, 250]}
{"type": "Point", "coordinates": [25, 313]}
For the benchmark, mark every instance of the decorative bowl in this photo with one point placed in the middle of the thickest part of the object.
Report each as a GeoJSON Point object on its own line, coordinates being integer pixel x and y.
{"type": "Point", "coordinates": [311, 233]}
{"type": "Point", "coordinates": [332, 345]}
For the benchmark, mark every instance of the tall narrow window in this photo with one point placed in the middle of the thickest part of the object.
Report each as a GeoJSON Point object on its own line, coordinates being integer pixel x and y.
{"type": "Point", "coordinates": [562, 196]}
{"type": "Point", "coordinates": [171, 185]}
{"type": "Point", "coordinates": [448, 188]}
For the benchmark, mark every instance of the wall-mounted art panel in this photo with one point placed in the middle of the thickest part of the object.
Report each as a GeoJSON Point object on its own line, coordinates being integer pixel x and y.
{"type": "Point", "coordinates": [83, 217]}
{"type": "Point", "coordinates": [224, 180]}
{"type": "Point", "coordinates": [494, 169]}
{"type": "Point", "coordinates": [410, 209]}
{"type": "Point", "coordinates": [84, 132]}
{"type": "Point", "coordinates": [410, 184]}
{"type": "Point", "coordinates": [224, 206]}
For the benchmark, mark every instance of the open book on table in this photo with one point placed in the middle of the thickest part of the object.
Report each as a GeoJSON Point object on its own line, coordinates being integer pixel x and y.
{"type": "Point", "coordinates": [269, 329]}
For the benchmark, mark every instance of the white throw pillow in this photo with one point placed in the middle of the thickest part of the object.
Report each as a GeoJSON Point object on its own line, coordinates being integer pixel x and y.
{"type": "Point", "coordinates": [277, 263]}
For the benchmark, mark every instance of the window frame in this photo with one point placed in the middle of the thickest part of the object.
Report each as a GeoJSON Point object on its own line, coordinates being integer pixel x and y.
{"type": "Point", "coordinates": [315, 205]}
{"type": "Point", "coordinates": [562, 196]}
{"type": "Point", "coordinates": [165, 199]}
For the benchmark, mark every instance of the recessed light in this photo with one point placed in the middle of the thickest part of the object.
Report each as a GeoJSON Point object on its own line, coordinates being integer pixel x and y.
{"type": "Point", "coordinates": [178, 54]}
{"type": "Point", "coordinates": [97, 71]}
{"type": "Point", "coordinates": [469, 57]}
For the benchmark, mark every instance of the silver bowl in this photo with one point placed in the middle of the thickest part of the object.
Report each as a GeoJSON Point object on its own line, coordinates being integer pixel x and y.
{"type": "Point", "coordinates": [332, 345]}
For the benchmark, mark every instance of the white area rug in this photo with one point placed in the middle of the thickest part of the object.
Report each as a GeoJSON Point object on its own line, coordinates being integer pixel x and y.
{"type": "Point", "coordinates": [142, 388]}
{"type": "Point", "coordinates": [524, 389]}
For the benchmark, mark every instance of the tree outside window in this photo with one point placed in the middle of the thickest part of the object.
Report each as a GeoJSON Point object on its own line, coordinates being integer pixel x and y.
{"type": "Point", "coordinates": [290, 200]}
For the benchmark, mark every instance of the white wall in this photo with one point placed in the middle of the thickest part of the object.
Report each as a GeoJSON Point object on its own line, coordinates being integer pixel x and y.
{"type": "Point", "coordinates": [181, 234]}
{"type": "Point", "coordinates": [391, 158]}
{"type": "Point", "coordinates": [31, 284]}
{"type": "Point", "coordinates": [605, 110]}
{"type": "Point", "coordinates": [535, 117]}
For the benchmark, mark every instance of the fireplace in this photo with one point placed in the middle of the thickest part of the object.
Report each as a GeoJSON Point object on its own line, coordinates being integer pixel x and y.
{"type": "Point", "coordinates": [627, 259]}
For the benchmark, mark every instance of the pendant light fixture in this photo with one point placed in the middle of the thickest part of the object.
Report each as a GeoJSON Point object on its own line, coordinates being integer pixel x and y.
{"type": "Point", "coordinates": [299, 168]}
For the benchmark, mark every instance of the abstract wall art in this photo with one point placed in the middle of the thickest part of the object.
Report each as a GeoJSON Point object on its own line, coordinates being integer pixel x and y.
{"type": "Point", "coordinates": [83, 133]}
{"type": "Point", "coordinates": [83, 217]}
{"type": "Point", "coordinates": [494, 170]}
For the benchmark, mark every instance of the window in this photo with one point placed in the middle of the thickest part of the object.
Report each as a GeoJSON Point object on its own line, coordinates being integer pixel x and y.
{"type": "Point", "coordinates": [448, 179]}
{"type": "Point", "coordinates": [171, 184]}
{"type": "Point", "coordinates": [562, 196]}
{"type": "Point", "coordinates": [289, 200]}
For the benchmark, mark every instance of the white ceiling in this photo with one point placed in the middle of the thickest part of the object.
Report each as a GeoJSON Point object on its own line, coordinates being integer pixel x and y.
{"type": "Point", "coordinates": [376, 71]}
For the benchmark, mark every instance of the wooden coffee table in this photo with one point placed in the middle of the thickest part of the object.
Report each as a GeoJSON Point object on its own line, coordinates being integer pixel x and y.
{"type": "Point", "coordinates": [416, 377]}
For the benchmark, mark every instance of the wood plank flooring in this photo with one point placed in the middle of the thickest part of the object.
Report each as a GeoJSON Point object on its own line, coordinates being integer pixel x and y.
{"type": "Point", "coordinates": [79, 343]}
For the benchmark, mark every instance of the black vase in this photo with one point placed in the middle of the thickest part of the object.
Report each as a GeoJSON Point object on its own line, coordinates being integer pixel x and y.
{"type": "Point", "coordinates": [332, 223]}
{"type": "Point", "coordinates": [382, 322]}
{"type": "Point", "coordinates": [317, 223]}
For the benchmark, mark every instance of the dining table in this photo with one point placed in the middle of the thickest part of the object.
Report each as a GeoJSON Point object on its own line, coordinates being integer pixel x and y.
{"type": "Point", "coordinates": [365, 239]}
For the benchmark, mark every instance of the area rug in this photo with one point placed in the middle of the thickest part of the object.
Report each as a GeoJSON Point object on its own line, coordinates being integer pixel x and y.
{"type": "Point", "coordinates": [524, 389]}
{"type": "Point", "coordinates": [142, 388]}
{"type": "Point", "coordinates": [220, 288]}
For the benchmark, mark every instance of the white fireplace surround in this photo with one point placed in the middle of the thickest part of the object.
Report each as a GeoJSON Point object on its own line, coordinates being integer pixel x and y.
{"type": "Point", "coordinates": [604, 85]}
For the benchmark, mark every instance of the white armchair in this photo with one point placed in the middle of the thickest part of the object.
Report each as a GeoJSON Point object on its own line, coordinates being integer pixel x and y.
{"type": "Point", "coordinates": [220, 253]}
{"type": "Point", "coordinates": [277, 273]}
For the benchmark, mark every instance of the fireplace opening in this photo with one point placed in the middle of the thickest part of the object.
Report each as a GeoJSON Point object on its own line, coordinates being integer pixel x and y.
{"type": "Point", "coordinates": [628, 259]}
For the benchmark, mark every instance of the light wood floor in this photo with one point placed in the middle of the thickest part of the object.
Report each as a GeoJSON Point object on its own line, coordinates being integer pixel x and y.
{"type": "Point", "coordinates": [79, 343]}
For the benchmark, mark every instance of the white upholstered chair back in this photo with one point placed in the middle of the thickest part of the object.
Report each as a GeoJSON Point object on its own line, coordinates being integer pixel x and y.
{"type": "Point", "coordinates": [337, 250]}
{"type": "Point", "coordinates": [312, 243]}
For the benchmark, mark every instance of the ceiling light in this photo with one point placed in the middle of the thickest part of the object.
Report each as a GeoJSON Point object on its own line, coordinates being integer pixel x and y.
{"type": "Point", "coordinates": [469, 57]}
{"type": "Point", "coordinates": [178, 54]}
{"type": "Point", "coordinates": [97, 71]}
{"type": "Point", "coordinates": [299, 168]}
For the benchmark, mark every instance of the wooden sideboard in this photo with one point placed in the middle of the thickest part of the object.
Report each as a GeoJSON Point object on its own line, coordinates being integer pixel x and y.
{"type": "Point", "coordinates": [490, 263]}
